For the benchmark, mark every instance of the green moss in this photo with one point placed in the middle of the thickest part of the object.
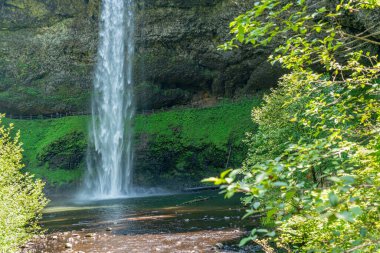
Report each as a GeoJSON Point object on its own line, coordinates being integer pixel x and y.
{"type": "Point", "coordinates": [218, 125]}
{"type": "Point", "coordinates": [59, 176]}
{"type": "Point", "coordinates": [37, 135]}
{"type": "Point", "coordinates": [35, 8]}
{"type": "Point", "coordinates": [190, 142]}
{"type": "Point", "coordinates": [66, 153]}
{"type": "Point", "coordinates": [187, 145]}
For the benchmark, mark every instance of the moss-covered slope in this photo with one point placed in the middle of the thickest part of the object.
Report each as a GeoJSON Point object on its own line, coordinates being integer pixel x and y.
{"type": "Point", "coordinates": [180, 146]}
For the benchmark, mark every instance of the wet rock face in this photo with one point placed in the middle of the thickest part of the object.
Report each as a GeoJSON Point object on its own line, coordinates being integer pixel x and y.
{"type": "Point", "coordinates": [177, 49]}
{"type": "Point", "coordinates": [48, 52]}
{"type": "Point", "coordinates": [47, 55]}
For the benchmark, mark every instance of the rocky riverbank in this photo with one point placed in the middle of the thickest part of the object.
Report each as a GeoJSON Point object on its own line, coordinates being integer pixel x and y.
{"type": "Point", "coordinates": [197, 222]}
{"type": "Point", "coordinates": [82, 242]}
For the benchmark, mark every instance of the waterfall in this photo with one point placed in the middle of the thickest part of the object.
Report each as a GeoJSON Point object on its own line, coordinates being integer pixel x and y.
{"type": "Point", "coordinates": [110, 152]}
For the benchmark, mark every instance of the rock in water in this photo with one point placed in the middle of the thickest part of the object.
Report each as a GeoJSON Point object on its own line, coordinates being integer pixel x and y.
{"type": "Point", "coordinates": [219, 245]}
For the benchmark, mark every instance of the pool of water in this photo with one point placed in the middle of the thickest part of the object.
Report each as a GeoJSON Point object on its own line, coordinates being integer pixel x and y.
{"type": "Point", "coordinates": [197, 222]}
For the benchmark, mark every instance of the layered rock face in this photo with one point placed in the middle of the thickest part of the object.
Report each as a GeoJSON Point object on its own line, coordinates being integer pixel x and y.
{"type": "Point", "coordinates": [178, 60]}
{"type": "Point", "coordinates": [48, 51]}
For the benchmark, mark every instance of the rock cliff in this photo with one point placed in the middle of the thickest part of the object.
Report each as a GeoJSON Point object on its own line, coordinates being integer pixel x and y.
{"type": "Point", "coordinates": [48, 51]}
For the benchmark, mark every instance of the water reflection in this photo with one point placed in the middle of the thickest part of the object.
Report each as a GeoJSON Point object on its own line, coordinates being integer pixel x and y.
{"type": "Point", "coordinates": [159, 221]}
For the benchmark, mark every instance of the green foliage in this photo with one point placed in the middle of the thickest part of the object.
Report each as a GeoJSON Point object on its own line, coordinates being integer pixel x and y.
{"type": "Point", "coordinates": [275, 126]}
{"type": "Point", "coordinates": [67, 152]}
{"type": "Point", "coordinates": [191, 142]}
{"type": "Point", "coordinates": [313, 168]}
{"type": "Point", "coordinates": [21, 197]}
{"type": "Point", "coordinates": [40, 137]}
{"type": "Point", "coordinates": [196, 126]}
{"type": "Point", "coordinates": [39, 134]}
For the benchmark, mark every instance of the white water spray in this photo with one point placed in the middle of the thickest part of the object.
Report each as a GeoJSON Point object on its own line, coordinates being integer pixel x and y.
{"type": "Point", "coordinates": [110, 155]}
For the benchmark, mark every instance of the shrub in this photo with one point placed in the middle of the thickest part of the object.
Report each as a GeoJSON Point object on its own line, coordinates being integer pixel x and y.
{"type": "Point", "coordinates": [313, 169]}
{"type": "Point", "coordinates": [21, 197]}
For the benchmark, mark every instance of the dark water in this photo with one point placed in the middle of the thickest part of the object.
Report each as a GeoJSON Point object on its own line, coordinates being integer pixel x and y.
{"type": "Point", "coordinates": [198, 222]}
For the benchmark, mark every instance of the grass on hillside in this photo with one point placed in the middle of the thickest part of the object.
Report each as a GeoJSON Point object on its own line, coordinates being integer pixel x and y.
{"type": "Point", "coordinates": [38, 134]}
{"type": "Point", "coordinates": [213, 125]}
{"type": "Point", "coordinates": [208, 125]}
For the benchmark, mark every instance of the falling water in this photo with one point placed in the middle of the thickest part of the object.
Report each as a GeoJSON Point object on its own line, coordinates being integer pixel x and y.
{"type": "Point", "coordinates": [110, 155]}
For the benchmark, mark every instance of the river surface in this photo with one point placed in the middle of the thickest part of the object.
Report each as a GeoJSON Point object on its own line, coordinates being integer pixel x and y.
{"type": "Point", "coordinates": [196, 222]}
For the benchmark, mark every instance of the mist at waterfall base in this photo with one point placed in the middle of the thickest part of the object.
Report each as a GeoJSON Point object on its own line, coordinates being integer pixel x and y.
{"type": "Point", "coordinates": [110, 150]}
